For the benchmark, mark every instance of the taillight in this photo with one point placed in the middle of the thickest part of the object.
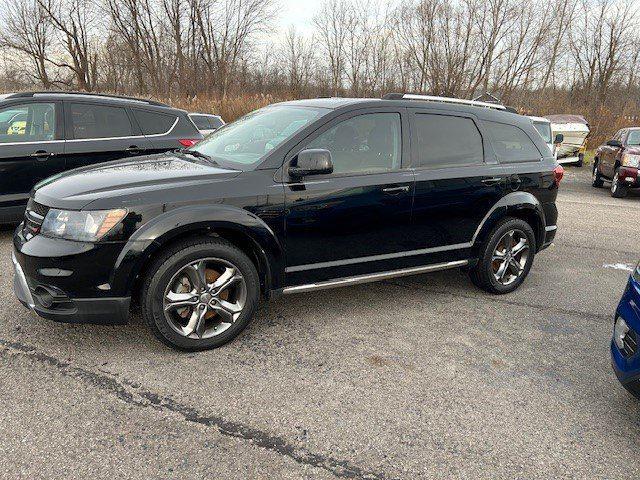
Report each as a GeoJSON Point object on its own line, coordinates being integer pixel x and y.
{"type": "Point", "coordinates": [558, 174]}
{"type": "Point", "coordinates": [185, 142]}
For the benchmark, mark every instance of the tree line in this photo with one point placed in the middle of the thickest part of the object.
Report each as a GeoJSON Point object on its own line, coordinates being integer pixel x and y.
{"type": "Point", "coordinates": [542, 56]}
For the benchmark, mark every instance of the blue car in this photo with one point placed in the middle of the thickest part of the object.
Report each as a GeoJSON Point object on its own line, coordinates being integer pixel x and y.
{"type": "Point", "coordinates": [624, 345]}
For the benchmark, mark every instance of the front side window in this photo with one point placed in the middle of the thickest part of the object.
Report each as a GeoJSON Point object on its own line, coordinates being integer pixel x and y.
{"type": "Point", "coordinates": [31, 122]}
{"type": "Point", "coordinates": [366, 143]}
{"type": "Point", "coordinates": [99, 121]}
{"type": "Point", "coordinates": [447, 141]}
{"type": "Point", "coordinates": [246, 141]}
{"type": "Point", "coordinates": [511, 144]}
{"type": "Point", "coordinates": [634, 138]}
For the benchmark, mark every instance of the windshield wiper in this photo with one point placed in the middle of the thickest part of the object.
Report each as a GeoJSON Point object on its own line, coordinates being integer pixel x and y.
{"type": "Point", "coordinates": [197, 154]}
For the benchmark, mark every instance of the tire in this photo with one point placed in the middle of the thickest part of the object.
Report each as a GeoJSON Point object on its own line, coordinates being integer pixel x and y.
{"type": "Point", "coordinates": [580, 162]}
{"type": "Point", "coordinates": [178, 268]}
{"type": "Point", "coordinates": [483, 275]}
{"type": "Point", "coordinates": [618, 189]}
{"type": "Point", "coordinates": [596, 179]}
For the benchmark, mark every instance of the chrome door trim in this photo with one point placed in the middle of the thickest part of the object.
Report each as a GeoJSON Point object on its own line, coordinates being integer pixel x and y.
{"type": "Point", "coordinates": [373, 277]}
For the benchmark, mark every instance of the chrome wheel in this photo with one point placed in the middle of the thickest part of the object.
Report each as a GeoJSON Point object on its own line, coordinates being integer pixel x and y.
{"type": "Point", "coordinates": [204, 298]}
{"type": "Point", "coordinates": [510, 257]}
{"type": "Point", "coordinates": [614, 182]}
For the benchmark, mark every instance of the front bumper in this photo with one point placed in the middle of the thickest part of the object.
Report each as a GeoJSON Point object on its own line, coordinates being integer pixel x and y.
{"type": "Point", "coordinates": [68, 281]}
{"type": "Point", "coordinates": [627, 367]}
{"type": "Point", "coordinates": [629, 176]}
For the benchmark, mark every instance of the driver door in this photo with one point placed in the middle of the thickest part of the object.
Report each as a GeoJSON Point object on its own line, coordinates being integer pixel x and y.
{"type": "Point", "coordinates": [357, 219]}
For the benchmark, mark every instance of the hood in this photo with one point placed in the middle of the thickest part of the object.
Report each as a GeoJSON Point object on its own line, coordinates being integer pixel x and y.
{"type": "Point", "coordinates": [127, 179]}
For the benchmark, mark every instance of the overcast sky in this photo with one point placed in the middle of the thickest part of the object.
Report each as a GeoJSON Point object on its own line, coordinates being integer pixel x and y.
{"type": "Point", "coordinates": [298, 13]}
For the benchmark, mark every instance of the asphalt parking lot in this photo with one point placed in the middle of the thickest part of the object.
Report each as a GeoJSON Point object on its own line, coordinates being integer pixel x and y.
{"type": "Point", "coordinates": [422, 377]}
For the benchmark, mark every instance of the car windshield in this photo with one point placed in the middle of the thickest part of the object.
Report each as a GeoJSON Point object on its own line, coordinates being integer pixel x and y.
{"type": "Point", "coordinates": [245, 142]}
{"type": "Point", "coordinates": [544, 129]}
{"type": "Point", "coordinates": [633, 138]}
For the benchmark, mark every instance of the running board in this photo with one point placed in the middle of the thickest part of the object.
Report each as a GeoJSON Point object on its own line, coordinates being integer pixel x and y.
{"type": "Point", "coordinates": [374, 277]}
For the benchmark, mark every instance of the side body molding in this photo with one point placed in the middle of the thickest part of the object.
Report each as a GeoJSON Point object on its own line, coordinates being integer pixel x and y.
{"type": "Point", "coordinates": [517, 204]}
{"type": "Point", "coordinates": [159, 231]}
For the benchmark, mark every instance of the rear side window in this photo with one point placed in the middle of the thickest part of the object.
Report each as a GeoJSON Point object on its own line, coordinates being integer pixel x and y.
{"type": "Point", "coordinates": [99, 121]}
{"type": "Point", "coordinates": [154, 123]}
{"type": "Point", "coordinates": [31, 122]}
{"type": "Point", "coordinates": [511, 144]}
{"type": "Point", "coordinates": [446, 141]}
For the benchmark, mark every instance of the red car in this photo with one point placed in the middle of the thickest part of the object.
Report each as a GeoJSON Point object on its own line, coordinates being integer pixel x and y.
{"type": "Point", "coordinates": [618, 162]}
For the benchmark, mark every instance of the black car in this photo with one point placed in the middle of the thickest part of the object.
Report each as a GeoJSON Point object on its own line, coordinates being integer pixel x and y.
{"type": "Point", "coordinates": [294, 197]}
{"type": "Point", "coordinates": [42, 134]}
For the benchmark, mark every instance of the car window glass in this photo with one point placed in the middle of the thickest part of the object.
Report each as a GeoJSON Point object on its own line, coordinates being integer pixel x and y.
{"type": "Point", "coordinates": [201, 121]}
{"type": "Point", "coordinates": [153, 123]}
{"type": "Point", "coordinates": [366, 143]}
{"type": "Point", "coordinates": [32, 122]}
{"type": "Point", "coordinates": [544, 129]}
{"type": "Point", "coordinates": [215, 122]}
{"type": "Point", "coordinates": [446, 141]}
{"type": "Point", "coordinates": [512, 144]}
{"type": "Point", "coordinates": [99, 121]}
{"type": "Point", "coordinates": [633, 138]}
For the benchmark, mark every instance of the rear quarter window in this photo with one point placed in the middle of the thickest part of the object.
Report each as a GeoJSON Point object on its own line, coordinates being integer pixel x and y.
{"type": "Point", "coordinates": [154, 123]}
{"type": "Point", "coordinates": [511, 144]}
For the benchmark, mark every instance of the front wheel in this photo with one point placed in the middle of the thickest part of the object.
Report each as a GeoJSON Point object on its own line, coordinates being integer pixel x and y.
{"type": "Point", "coordinates": [618, 189]}
{"type": "Point", "coordinates": [506, 257]}
{"type": "Point", "coordinates": [200, 294]}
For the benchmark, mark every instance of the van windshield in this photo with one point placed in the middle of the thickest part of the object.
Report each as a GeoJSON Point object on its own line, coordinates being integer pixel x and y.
{"type": "Point", "coordinates": [544, 129]}
{"type": "Point", "coordinates": [634, 138]}
{"type": "Point", "coordinates": [245, 142]}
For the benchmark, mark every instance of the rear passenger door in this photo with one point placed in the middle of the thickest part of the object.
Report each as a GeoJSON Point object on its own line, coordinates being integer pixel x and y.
{"type": "Point", "coordinates": [99, 133]}
{"type": "Point", "coordinates": [456, 183]}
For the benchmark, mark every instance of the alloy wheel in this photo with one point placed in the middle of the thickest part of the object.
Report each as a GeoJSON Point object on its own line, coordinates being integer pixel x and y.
{"type": "Point", "coordinates": [614, 182]}
{"type": "Point", "coordinates": [510, 257]}
{"type": "Point", "coordinates": [204, 298]}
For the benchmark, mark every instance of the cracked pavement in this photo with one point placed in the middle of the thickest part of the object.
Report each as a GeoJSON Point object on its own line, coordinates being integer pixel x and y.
{"type": "Point", "coordinates": [419, 377]}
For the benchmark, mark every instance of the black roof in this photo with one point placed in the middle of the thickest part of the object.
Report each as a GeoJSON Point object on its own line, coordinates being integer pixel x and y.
{"type": "Point", "coordinates": [63, 94]}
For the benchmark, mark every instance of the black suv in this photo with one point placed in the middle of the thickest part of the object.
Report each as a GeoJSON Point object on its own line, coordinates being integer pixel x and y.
{"type": "Point", "coordinates": [42, 134]}
{"type": "Point", "coordinates": [294, 197]}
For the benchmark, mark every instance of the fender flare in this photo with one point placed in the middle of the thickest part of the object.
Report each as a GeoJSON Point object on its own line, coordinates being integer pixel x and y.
{"type": "Point", "coordinates": [161, 230]}
{"type": "Point", "coordinates": [516, 204]}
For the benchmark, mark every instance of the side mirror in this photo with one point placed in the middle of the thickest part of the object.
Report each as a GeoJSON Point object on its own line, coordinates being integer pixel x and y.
{"type": "Point", "coordinates": [311, 162]}
{"type": "Point", "coordinates": [614, 143]}
{"type": "Point", "coordinates": [559, 139]}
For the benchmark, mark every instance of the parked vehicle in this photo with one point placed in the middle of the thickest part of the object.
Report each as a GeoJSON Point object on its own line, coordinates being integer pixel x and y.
{"type": "Point", "coordinates": [574, 130]}
{"type": "Point", "coordinates": [543, 126]}
{"type": "Point", "coordinates": [206, 123]}
{"type": "Point", "coordinates": [42, 134]}
{"type": "Point", "coordinates": [624, 344]}
{"type": "Point", "coordinates": [295, 197]}
{"type": "Point", "coordinates": [618, 161]}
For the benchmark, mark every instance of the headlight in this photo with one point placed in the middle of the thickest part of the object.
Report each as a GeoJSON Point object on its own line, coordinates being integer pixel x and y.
{"type": "Point", "coordinates": [86, 226]}
{"type": "Point", "coordinates": [631, 160]}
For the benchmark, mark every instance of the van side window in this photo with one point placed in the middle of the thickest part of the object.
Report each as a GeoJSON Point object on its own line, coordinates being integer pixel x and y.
{"type": "Point", "coordinates": [366, 143]}
{"type": "Point", "coordinates": [512, 144]}
{"type": "Point", "coordinates": [99, 121]}
{"type": "Point", "coordinates": [31, 122]}
{"type": "Point", "coordinates": [153, 123]}
{"type": "Point", "coordinates": [446, 141]}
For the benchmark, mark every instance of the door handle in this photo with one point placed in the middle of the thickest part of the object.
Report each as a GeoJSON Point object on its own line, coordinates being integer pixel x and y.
{"type": "Point", "coordinates": [41, 155]}
{"type": "Point", "coordinates": [403, 188]}
{"type": "Point", "coordinates": [492, 180]}
{"type": "Point", "coordinates": [133, 149]}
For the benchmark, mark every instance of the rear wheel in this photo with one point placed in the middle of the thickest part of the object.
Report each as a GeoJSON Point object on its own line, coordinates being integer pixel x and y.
{"type": "Point", "coordinates": [506, 257]}
{"type": "Point", "coordinates": [618, 189]}
{"type": "Point", "coordinates": [200, 294]}
{"type": "Point", "coordinates": [596, 179]}
{"type": "Point", "coordinates": [580, 161]}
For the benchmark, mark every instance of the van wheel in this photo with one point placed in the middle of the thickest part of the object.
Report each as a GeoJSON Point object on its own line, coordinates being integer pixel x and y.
{"type": "Point", "coordinates": [200, 294]}
{"type": "Point", "coordinates": [506, 257]}
{"type": "Point", "coordinates": [618, 189]}
{"type": "Point", "coordinates": [596, 178]}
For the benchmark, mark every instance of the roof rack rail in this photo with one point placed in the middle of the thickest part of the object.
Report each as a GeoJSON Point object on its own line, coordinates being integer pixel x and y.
{"type": "Point", "coordinates": [431, 98]}
{"type": "Point", "coordinates": [89, 94]}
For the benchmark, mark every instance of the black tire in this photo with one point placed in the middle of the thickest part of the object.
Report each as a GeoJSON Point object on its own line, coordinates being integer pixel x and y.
{"type": "Point", "coordinates": [169, 263]}
{"type": "Point", "coordinates": [596, 180]}
{"type": "Point", "coordinates": [618, 189]}
{"type": "Point", "coordinates": [482, 275]}
{"type": "Point", "coordinates": [580, 162]}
